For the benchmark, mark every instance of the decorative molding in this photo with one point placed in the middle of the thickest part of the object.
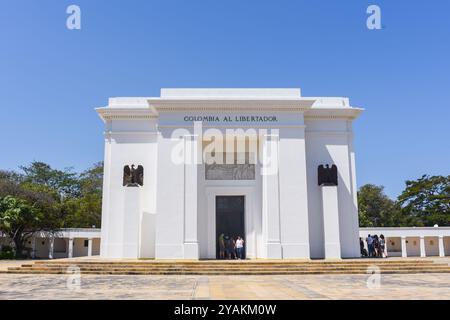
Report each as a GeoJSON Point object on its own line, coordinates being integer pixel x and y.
{"type": "Point", "coordinates": [129, 117]}
{"type": "Point", "coordinates": [332, 114]}
{"type": "Point", "coordinates": [230, 105]}
{"type": "Point", "coordinates": [220, 126]}
{"type": "Point", "coordinates": [111, 135]}
{"type": "Point", "coordinates": [108, 114]}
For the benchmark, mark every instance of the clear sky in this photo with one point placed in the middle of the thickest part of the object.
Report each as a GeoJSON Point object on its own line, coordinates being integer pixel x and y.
{"type": "Point", "coordinates": [51, 78]}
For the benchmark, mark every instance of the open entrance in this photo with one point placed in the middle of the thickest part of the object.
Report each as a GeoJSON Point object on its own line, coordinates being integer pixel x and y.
{"type": "Point", "coordinates": [230, 223]}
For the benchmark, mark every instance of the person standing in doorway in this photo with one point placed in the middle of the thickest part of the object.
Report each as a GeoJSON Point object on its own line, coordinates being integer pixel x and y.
{"type": "Point", "coordinates": [221, 246]}
{"type": "Point", "coordinates": [240, 247]}
{"type": "Point", "coordinates": [229, 247]}
{"type": "Point", "coordinates": [369, 241]}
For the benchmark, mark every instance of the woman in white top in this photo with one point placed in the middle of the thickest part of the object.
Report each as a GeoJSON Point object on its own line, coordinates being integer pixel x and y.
{"type": "Point", "coordinates": [240, 247]}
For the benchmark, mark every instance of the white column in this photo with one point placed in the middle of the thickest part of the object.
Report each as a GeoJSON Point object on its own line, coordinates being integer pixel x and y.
{"type": "Point", "coordinates": [70, 255]}
{"type": "Point", "coordinates": [51, 247]}
{"type": "Point", "coordinates": [190, 198]}
{"type": "Point", "coordinates": [106, 199]}
{"type": "Point", "coordinates": [89, 247]}
{"type": "Point", "coordinates": [330, 209]}
{"type": "Point", "coordinates": [386, 246]}
{"type": "Point", "coordinates": [169, 235]}
{"type": "Point", "coordinates": [130, 223]}
{"type": "Point", "coordinates": [404, 253]}
{"type": "Point", "coordinates": [294, 223]}
{"type": "Point", "coordinates": [422, 247]}
{"type": "Point", "coordinates": [441, 246]}
{"type": "Point", "coordinates": [270, 197]}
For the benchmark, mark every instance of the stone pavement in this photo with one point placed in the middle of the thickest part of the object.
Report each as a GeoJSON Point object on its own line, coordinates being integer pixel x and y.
{"type": "Point", "coordinates": [408, 286]}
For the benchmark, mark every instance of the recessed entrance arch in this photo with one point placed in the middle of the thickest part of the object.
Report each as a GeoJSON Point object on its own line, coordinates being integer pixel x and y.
{"type": "Point", "coordinates": [230, 221]}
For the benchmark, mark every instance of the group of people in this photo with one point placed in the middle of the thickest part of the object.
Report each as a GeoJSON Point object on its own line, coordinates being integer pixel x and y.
{"type": "Point", "coordinates": [231, 247]}
{"type": "Point", "coordinates": [376, 247]}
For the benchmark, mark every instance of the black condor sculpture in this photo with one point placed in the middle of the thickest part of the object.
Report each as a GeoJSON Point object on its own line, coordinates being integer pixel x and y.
{"type": "Point", "coordinates": [133, 177]}
{"type": "Point", "coordinates": [327, 176]}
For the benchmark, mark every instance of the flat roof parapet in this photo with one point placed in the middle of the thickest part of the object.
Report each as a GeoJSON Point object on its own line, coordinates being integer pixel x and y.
{"type": "Point", "coordinates": [231, 93]}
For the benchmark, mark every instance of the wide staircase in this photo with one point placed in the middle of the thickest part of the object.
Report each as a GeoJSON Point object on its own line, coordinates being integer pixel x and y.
{"type": "Point", "coordinates": [220, 267]}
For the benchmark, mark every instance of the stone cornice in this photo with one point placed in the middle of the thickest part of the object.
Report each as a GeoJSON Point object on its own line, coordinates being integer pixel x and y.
{"type": "Point", "coordinates": [108, 114]}
{"type": "Point", "coordinates": [172, 106]}
{"type": "Point", "coordinates": [332, 113]}
{"type": "Point", "coordinates": [177, 105]}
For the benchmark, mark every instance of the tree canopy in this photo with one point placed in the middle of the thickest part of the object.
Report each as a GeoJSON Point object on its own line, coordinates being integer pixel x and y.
{"type": "Point", "coordinates": [424, 203]}
{"type": "Point", "coordinates": [375, 208]}
{"type": "Point", "coordinates": [41, 198]}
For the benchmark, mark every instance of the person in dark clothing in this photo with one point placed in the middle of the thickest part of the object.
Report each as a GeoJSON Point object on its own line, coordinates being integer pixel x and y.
{"type": "Point", "coordinates": [362, 249]}
{"type": "Point", "coordinates": [229, 247]}
{"type": "Point", "coordinates": [376, 246]}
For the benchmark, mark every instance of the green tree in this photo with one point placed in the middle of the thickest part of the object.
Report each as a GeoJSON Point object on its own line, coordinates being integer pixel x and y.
{"type": "Point", "coordinates": [426, 201]}
{"type": "Point", "coordinates": [376, 209]}
{"type": "Point", "coordinates": [18, 220]}
{"type": "Point", "coordinates": [59, 198]}
{"type": "Point", "coordinates": [64, 182]}
{"type": "Point", "coordinates": [85, 210]}
{"type": "Point", "coordinates": [42, 198]}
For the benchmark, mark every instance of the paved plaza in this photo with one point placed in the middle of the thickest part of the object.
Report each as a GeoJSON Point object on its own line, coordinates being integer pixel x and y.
{"type": "Point", "coordinates": [411, 286]}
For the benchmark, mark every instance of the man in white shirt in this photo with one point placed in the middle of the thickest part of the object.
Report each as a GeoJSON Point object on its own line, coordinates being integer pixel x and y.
{"type": "Point", "coordinates": [369, 241]}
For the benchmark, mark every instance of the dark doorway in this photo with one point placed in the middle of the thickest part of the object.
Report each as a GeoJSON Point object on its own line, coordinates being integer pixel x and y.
{"type": "Point", "coordinates": [230, 219]}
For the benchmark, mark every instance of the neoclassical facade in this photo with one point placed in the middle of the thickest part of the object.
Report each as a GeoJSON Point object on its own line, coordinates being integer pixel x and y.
{"type": "Point", "coordinates": [191, 165]}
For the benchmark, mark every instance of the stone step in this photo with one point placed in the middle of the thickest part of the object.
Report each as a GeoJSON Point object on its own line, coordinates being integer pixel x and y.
{"type": "Point", "coordinates": [232, 268]}
{"type": "Point", "coordinates": [228, 272]}
{"type": "Point", "coordinates": [221, 269]}
{"type": "Point", "coordinates": [275, 272]}
{"type": "Point", "coordinates": [231, 265]}
{"type": "Point", "coordinates": [153, 267]}
{"type": "Point", "coordinates": [233, 262]}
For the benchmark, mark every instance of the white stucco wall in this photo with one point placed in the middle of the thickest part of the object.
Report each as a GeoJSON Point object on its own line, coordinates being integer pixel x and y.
{"type": "Point", "coordinates": [126, 143]}
{"type": "Point", "coordinates": [328, 141]}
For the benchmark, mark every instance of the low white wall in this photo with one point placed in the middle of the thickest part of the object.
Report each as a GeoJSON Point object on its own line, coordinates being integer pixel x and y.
{"type": "Point", "coordinates": [393, 241]}
{"type": "Point", "coordinates": [412, 236]}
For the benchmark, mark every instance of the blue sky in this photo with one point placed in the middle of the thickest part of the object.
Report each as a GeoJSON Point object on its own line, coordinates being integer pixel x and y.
{"type": "Point", "coordinates": [51, 78]}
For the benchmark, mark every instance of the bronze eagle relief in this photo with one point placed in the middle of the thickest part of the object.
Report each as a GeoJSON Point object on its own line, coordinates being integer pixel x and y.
{"type": "Point", "coordinates": [133, 177]}
{"type": "Point", "coordinates": [327, 176]}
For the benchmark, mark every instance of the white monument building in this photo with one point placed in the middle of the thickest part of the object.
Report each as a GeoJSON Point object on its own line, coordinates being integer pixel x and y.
{"type": "Point", "coordinates": [191, 165]}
